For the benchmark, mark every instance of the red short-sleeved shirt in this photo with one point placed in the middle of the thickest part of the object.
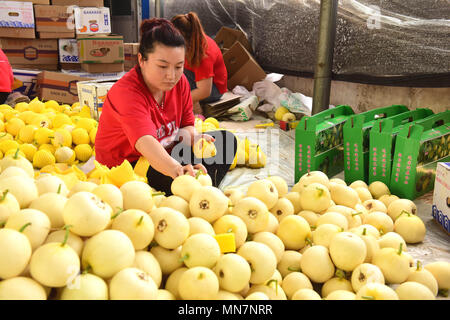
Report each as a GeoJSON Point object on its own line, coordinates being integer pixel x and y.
{"type": "Point", "coordinates": [212, 65]}
{"type": "Point", "coordinates": [130, 112]}
{"type": "Point", "coordinates": [7, 78]}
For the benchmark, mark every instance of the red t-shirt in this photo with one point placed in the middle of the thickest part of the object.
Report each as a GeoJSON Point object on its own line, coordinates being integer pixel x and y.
{"type": "Point", "coordinates": [130, 112]}
{"type": "Point", "coordinates": [6, 78]}
{"type": "Point", "coordinates": [212, 65]}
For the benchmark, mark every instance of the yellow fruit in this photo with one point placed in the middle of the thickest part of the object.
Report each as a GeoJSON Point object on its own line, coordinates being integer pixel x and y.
{"type": "Point", "coordinates": [85, 112]}
{"type": "Point", "coordinates": [65, 155]}
{"type": "Point", "coordinates": [22, 106]}
{"type": "Point", "coordinates": [36, 105]}
{"type": "Point", "coordinates": [2, 125]}
{"type": "Point", "coordinates": [86, 123]}
{"type": "Point", "coordinates": [14, 125]}
{"type": "Point", "coordinates": [26, 116]}
{"type": "Point", "coordinates": [1, 155]}
{"type": "Point", "coordinates": [233, 165]}
{"type": "Point", "coordinates": [213, 121]}
{"type": "Point", "coordinates": [5, 136]}
{"type": "Point", "coordinates": [208, 127]}
{"type": "Point", "coordinates": [204, 149]}
{"type": "Point", "coordinates": [52, 104]}
{"type": "Point", "coordinates": [9, 114]}
{"type": "Point", "coordinates": [280, 112]}
{"type": "Point", "coordinates": [62, 138]}
{"type": "Point", "coordinates": [80, 136]}
{"type": "Point", "coordinates": [29, 150]}
{"type": "Point", "coordinates": [43, 135]}
{"type": "Point", "coordinates": [41, 121]}
{"type": "Point", "coordinates": [13, 152]}
{"type": "Point", "coordinates": [5, 107]}
{"type": "Point", "coordinates": [7, 145]}
{"type": "Point", "coordinates": [61, 119]}
{"type": "Point", "coordinates": [26, 133]}
{"type": "Point", "coordinates": [43, 158]}
{"type": "Point", "coordinates": [75, 104]}
{"type": "Point", "coordinates": [93, 134]}
{"type": "Point", "coordinates": [67, 110]}
{"type": "Point", "coordinates": [47, 146]}
{"type": "Point", "coordinates": [83, 152]}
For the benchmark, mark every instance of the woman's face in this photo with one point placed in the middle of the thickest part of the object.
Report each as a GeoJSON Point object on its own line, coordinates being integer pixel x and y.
{"type": "Point", "coordinates": [163, 67]}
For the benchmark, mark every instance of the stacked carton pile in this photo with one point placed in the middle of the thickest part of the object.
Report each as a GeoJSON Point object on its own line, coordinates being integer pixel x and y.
{"type": "Point", "coordinates": [53, 44]}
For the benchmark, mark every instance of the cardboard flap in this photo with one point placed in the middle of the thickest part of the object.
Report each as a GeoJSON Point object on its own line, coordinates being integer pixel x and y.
{"type": "Point", "coordinates": [309, 123]}
{"type": "Point", "coordinates": [384, 112]}
{"type": "Point", "coordinates": [435, 120]}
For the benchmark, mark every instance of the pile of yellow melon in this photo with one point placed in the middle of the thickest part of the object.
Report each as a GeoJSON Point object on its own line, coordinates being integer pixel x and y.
{"type": "Point", "coordinates": [320, 240]}
{"type": "Point", "coordinates": [47, 132]}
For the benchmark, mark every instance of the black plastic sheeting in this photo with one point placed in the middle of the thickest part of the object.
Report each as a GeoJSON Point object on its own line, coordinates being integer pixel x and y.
{"type": "Point", "coordinates": [395, 42]}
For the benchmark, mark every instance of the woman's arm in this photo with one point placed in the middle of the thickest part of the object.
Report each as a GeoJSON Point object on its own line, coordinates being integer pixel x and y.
{"type": "Point", "coordinates": [161, 161]}
{"type": "Point", "coordinates": [157, 156]}
{"type": "Point", "coordinates": [190, 135]}
{"type": "Point", "coordinates": [203, 90]}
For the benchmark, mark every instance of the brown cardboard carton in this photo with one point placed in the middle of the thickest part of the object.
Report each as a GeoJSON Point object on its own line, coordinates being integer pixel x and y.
{"type": "Point", "coordinates": [56, 35]}
{"type": "Point", "coordinates": [100, 49]}
{"type": "Point", "coordinates": [31, 51]}
{"type": "Point", "coordinates": [131, 51]}
{"type": "Point", "coordinates": [241, 67]}
{"type": "Point", "coordinates": [70, 66]}
{"type": "Point", "coordinates": [102, 67]}
{"type": "Point", "coordinates": [226, 37]}
{"type": "Point", "coordinates": [17, 20]}
{"type": "Point", "coordinates": [54, 19]}
{"type": "Point", "coordinates": [58, 86]}
{"type": "Point", "coordinates": [80, 3]}
{"type": "Point", "coordinates": [51, 67]}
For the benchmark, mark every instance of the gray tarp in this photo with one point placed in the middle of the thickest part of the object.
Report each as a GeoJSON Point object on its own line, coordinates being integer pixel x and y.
{"type": "Point", "coordinates": [375, 38]}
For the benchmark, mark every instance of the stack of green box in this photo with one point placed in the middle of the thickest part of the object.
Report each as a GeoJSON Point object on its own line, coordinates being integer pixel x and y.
{"type": "Point", "coordinates": [382, 142]}
{"type": "Point", "coordinates": [356, 140]}
{"type": "Point", "coordinates": [419, 147]}
{"type": "Point", "coordinates": [318, 142]}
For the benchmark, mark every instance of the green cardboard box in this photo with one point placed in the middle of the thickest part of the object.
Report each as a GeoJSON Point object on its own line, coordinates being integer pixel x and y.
{"type": "Point", "coordinates": [356, 141]}
{"type": "Point", "coordinates": [382, 142]}
{"type": "Point", "coordinates": [318, 141]}
{"type": "Point", "coordinates": [419, 147]}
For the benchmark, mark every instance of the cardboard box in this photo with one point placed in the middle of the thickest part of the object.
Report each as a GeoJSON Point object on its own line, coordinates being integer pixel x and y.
{"type": "Point", "coordinates": [242, 68]}
{"type": "Point", "coordinates": [441, 196]}
{"type": "Point", "coordinates": [55, 35]}
{"type": "Point", "coordinates": [25, 81]}
{"type": "Point", "coordinates": [58, 86]}
{"type": "Point", "coordinates": [101, 49]}
{"type": "Point", "coordinates": [70, 66]}
{"type": "Point", "coordinates": [419, 147]}
{"type": "Point", "coordinates": [226, 37]}
{"type": "Point", "coordinates": [356, 140]}
{"type": "Point", "coordinates": [31, 51]}
{"type": "Point", "coordinates": [102, 67]}
{"type": "Point", "coordinates": [79, 3]}
{"type": "Point", "coordinates": [93, 94]}
{"type": "Point", "coordinates": [92, 20]}
{"type": "Point", "coordinates": [17, 20]}
{"type": "Point", "coordinates": [68, 51]}
{"type": "Point", "coordinates": [319, 142]}
{"type": "Point", "coordinates": [58, 19]}
{"type": "Point", "coordinates": [96, 76]}
{"type": "Point", "coordinates": [52, 67]}
{"type": "Point", "coordinates": [382, 140]}
{"type": "Point", "coordinates": [131, 51]}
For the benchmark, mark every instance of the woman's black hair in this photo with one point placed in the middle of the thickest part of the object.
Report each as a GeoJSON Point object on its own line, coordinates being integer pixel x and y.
{"type": "Point", "coordinates": [158, 30]}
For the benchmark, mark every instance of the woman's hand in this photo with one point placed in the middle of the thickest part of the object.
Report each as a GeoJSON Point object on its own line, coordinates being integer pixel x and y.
{"type": "Point", "coordinates": [189, 169]}
{"type": "Point", "coordinates": [205, 136]}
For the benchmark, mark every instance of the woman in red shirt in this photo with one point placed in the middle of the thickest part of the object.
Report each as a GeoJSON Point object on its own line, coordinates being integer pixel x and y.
{"type": "Point", "coordinates": [6, 77]}
{"type": "Point", "coordinates": [204, 66]}
{"type": "Point", "coordinates": [149, 110]}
